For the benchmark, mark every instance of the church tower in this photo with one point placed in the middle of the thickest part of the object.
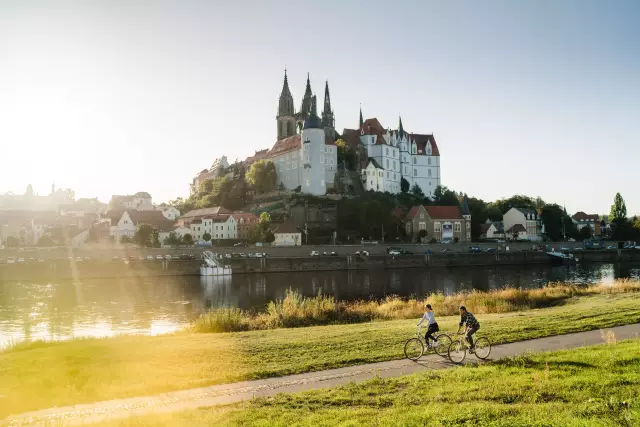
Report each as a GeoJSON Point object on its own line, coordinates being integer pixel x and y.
{"type": "Point", "coordinates": [328, 119]}
{"type": "Point", "coordinates": [305, 107]}
{"type": "Point", "coordinates": [286, 112]}
{"type": "Point", "coordinates": [313, 179]}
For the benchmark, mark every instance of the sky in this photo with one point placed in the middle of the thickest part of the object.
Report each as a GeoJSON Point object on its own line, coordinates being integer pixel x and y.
{"type": "Point", "coordinates": [523, 97]}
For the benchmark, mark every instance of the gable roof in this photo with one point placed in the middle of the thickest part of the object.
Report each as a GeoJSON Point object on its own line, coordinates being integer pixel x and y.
{"type": "Point", "coordinates": [285, 145]}
{"type": "Point", "coordinates": [114, 215]}
{"type": "Point", "coordinates": [375, 163]}
{"type": "Point", "coordinates": [517, 228]}
{"type": "Point", "coordinates": [444, 212]}
{"type": "Point", "coordinates": [286, 227]}
{"type": "Point", "coordinates": [374, 127]}
{"type": "Point", "coordinates": [581, 216]}
{"type": "Point", "coordinates": [527, 211]}
{"type": "Point", "coordinates": [194, 213]}
{"type": "Point", "coordinates": [153, 218]}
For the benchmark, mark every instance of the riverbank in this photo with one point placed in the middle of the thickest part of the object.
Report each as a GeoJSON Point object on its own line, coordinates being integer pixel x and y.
{"type": "Point", "coordinates": [73, 269]}
{"type": "Point", "coordinates": [296, 310]}
{"type": "Point", "coordinates": [587, 386]}
{"type": "Point", "coordinates": [42, 375]}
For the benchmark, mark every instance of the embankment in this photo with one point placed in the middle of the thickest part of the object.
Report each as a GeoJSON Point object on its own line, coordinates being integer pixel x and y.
{"type": "Point", "coordinates": [104, 268]}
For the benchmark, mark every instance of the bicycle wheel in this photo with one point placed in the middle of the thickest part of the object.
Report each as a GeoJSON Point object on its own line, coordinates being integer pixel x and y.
{"type": "Point", "coordinates": [457, 351]}
{"type": "Point", "coordinates": [482, 348]}
{"type": "Point", "coordinates": [442, 346]}
{"type": "Point", "coordinates": [413, 349]}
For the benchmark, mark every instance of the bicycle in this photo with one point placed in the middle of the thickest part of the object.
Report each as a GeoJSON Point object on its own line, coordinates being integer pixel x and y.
{"type": "Point", "coordinates": [414, 348]}
{"type": "Point", "coordinates": [457, 351]}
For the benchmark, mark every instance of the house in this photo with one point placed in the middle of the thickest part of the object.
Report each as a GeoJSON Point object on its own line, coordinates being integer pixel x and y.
{"type": "Point", "coordinates": [245, 221]}
{"type": "Point", "coordinates": [198, 214]}
{"type": "Point", "coordinates": [582, 220]}
{"type": "Point", "coordinates": [287, 234]}
{"type": "Point", "coordinates": [170, 212]}
{"type": "Point", "coordinates": [140, 201]}
{"type": "Point", "coordinates": [373, 176]}
{"type": "Point", "coordinates": [528, 219]}
{"type": "Point", "coordinates": [180, 232]}
{"type": "Point", "coordinates": [517, 232]}
{"type": "Point", "coordinates": [492, 230]}
{"type": "Point", "coordinates": [219, 227]}
{"type": "Point", "coordinates": [442, 223]}
{"type": "Point", "coordinates": [131, 219]}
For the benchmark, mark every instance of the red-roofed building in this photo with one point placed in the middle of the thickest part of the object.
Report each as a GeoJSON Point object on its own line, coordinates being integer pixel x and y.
{"type": "Point", "coordinates": [402, 155]}
{"type": "Point", "coordinates": [582, 220]}
{"type": "Point", "coordinates": [442, 223]}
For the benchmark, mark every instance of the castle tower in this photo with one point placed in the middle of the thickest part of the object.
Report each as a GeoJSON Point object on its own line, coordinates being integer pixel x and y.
{"type": "Point", "coordinates": [312, 154]}
{"type": "Point", "coordinates": [286, 112]}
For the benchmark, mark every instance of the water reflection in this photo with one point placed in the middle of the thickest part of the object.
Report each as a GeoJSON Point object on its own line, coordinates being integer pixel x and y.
{"type": "Point", "coordinates": [102, 308]}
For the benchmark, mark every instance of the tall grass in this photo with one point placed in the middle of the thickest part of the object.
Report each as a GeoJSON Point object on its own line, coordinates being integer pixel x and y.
{"type": "Point", "coordinates": [295, 310]}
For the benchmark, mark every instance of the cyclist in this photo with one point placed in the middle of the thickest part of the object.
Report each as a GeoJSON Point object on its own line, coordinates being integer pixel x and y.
{"type": "Point", "coordinates": [472, 326]}
{"type": "Point", "coordinates": [432, 325]}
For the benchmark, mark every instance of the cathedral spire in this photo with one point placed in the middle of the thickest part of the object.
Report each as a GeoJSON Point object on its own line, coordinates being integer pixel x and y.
{"type": "Point", "coordinates": [305, 108]}
{"type": "Point", "coordinates": [285, 106]}
{"type": "Point", "coordinates": [361, 121]}
{"type": "Point", "coordinates": [400, 128]}
{"type": "Point", "coordinates": [328, 120]}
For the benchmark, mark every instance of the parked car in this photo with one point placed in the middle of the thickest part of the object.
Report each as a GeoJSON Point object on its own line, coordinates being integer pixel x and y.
{"type": "Point", "coordinates": [228, 256]}
{"type": "Point", "coordinates": [168, 257]}
{"type": "Point", "coordinates": [115, 258]}
{"type": "Point", "coordinates": [259, 255]}
{"type": "Point", "coordinates": [365, 253]}
{"type": "Point", "coordinates": [564, 249]}
{"type": "Point", "coordinates": [334, 253]}
{"type": "Point", "coordinates": [159, 257]}
{"type": "Point", "coordinates": [475, 249]}
{"type": "Point", "coordinates": [134, 258]}
{"type": "Point", "coordinates": [175, 257]}
{"type": "Point", "coordinates": [184, 256]}
{"type": "Point", "coordinates": [149, 257]}
{"type": "Point", "coordinates": [612, 247]}
{"type": "Point", "coordinates": [20, 260]}
{"type": "Point", "coordinates": [357, 253]}
{"type": "Point", "coordinates": [394, 253]}
{"type": "Point", "coordinates": [314, 253]}
{"type": "Point", "coordinates": [11, 260]}
{"type": "Point", "coordinates": [491, 250]}
{"type": "Point", "coordinates": [87, 258]}
{"type": "Point", "coordinates": [243, 255]}
{"type": "Point", "coordinates": [79, 259]}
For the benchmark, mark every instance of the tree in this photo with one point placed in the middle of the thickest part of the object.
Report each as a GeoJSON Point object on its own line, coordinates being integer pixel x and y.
{"type": "Point", "coordinates": [156, 239]}
{"type": "Point", "coordinates": [269, 237]}
{"type": "Point", "coordinates": [585, 233]}
{"type": "Point", "coordinates": [144, 235]}
{"type": "Point", "coordinates": [442, 196]}
{"type": "Point", "coordinates": [281, 187]}
{"type": "Point", "coordinates": [206, 186]}
{"type": "Point", "coordinates": [618, 212]}
{"type": "Point", "coordinates": [346, 156]}
{"type": "Point", "coordinates": [416, 190]}
{"type": "Point", "coordinates": [422, 235]}
{"type": "Point", "coordinates": [262, 176]}
{"type": "Point", "coordinates": [557, 223]}
{"type": "Point", "coordinates": [45, 240]}
{"type": "Point", "coordinates": [172, 239]}
{"type": "Point", "coordinates": [187, 239]}
{"type": "Point", "coordinates": [125, 239]}
{"type": "Point", "coordinates": [12, 242]}
{"type": "Point", "coordinates": [404, 185]}
{"type": "Point", "coordinates": [206, 237]}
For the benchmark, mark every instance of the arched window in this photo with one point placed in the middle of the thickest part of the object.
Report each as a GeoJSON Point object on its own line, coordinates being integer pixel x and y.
{"type": "Point", "coordinates": [429, 172]}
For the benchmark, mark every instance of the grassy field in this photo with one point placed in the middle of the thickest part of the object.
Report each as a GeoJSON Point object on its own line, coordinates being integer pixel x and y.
{"type": "Point", "coordinates": [595, 386]}
{"type": "Point", "coordinates": [295, 310]}
{"type": "Point", "coordinates": [42, 375]}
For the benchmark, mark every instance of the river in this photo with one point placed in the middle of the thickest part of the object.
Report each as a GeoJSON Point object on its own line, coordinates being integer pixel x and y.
{"type": "Point", "coordinates": [107, 307]}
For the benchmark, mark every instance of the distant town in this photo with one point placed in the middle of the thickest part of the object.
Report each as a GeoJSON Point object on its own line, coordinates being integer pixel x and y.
{"type": "Point", "coordinates": [313, 186]}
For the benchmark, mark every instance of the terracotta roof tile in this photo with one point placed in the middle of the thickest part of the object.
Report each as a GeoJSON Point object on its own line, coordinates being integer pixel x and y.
{"type": "Point", "coordinates": [581, 216]}
{"type": "Point", "coordinates": [444, 212]}
{"type": "Point", "coordinates": [517, 228]}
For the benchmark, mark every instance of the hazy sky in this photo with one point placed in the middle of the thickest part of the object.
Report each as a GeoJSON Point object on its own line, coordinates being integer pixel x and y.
{"type": "Point", "coordinates": [113, 97]}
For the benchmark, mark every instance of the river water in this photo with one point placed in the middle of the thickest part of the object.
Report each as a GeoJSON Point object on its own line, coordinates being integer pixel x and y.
{"type": "Point", "coordinates": [100, 308]}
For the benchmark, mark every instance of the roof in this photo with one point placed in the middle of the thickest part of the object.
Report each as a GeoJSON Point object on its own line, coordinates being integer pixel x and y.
{"type": "Point", "coordinates": [517, 228]}
{"type": "Point", "coordinates": [527, 211]}
{"type": "Point", "coordinates": [374, 127]}
{"type": "Point", "coordinates": [247, 216]}
{"type": "Point", "coordinates": [375, 163]}
{"type": "Point", "coordinates": [142, 194]}
{"type": "Point", "coordinates": [398, 213]}
{"type": "Point", "coordinates": [485, 227]}
{"type": "Point", "coordinates": [114, 215]}
{"type": "Point", "coordinates": [286, 227]}
{"type": "Point", "coordinates": [581, 216]}
{"type": "Point", "coordinates": [259, 155]}
{"type": "Point", "coordinates": [292, 143]}
{"type": "Point", "coordinates": [444, 212]}
{"type": "Point", "coordinates": [205, 212]}
{"type": "Point", "coordinates": [218, 218]}
{"type": "Point", "coordinates": [153, 218]}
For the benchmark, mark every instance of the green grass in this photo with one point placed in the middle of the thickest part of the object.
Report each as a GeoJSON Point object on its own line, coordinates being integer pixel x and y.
{"type": "Point", "coordinates": [295, 310]}
{"type": "Point", "coordinates": [594, 386]}
{"type": "Point", "coordinates": [44, 375]}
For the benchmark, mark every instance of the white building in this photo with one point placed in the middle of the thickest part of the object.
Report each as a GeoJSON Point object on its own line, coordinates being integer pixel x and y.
{"type": "Point", "coordinates": [373, 176]}
{"type": "Point", "coordinates": [287, 234]}
{"type": "Point", "coordinates": [126, 223]}
{"type": "Point", "coordinates": [414, 157]}
{"type": "Point", "coordinates": [531, 227]}
{"type": "Point", "coordinates": [169, 212]}
{"type": "Point", "coordinates": [180, 232]}
{"type": "Point", "coordinates": [141, 201]}
{"type": "Point", "coordinates": [219, 227]}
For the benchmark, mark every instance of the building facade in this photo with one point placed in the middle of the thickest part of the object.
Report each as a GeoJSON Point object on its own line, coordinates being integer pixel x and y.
{"type": "Point", "coordinates": [441, 223]}
{"type": "Point", "coordinates": [529, 220]}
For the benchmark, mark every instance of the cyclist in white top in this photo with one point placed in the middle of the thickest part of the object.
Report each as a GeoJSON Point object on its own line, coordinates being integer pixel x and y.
{"type": "Point", "coordinates": [431, 321]}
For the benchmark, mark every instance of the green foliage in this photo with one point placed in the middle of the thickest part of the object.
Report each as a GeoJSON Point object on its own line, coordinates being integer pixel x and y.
{"type": "Point", "coordinates": [516, 201]}
{"type": "Point", "coordinates": [12, 242]}
{"type": "Point", "coordinates": [442, 196]}
{"type": "Point", "coordinates": [585, 233]}
{"type": "Point", "coordinates": [346, 155]}
{"type": "Point", "coordinates": [206, 237]}
{"type": "Point", "coordinates": [156, 239]}
{"type": "Point", "coordinates": [172, 239]}
{"type": "Point", "coordinates": [126, 239]}
{"type": "Point", "coordinates": [618, 214]}
{"type": "Point", "coordinates": [187, 239]}
{"type": "Point", "coordinates": [557, 223]}
{"type": "Point", "coordinates": [262, 176]}
{"type": "Point", "coordinates": [144, 235]}
{"type": "Point", "coordinates": [417, 191]}
{"type": "Point", "coordinates": [261, 231]}
{"type": "Point", "coordinates": [45, 240]}
{"type": "Point", "coordinates": [404, 185]}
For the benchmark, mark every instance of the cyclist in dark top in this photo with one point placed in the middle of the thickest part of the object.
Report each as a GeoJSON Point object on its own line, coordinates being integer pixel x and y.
{"type": "Point", "coordinates": [471, 323]}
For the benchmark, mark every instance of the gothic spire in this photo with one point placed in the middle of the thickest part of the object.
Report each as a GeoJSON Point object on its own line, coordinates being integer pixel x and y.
{"type": "Point", "coordinates": [400, 128]}
{"type": "Point", "coordinates": [328, 120]}
{"type": "Point", "coordinates": [305, 108]}
{"type": "Point", "coordinates": [361, 121]}
{"type": "Point", "coordinates": [285, 106]}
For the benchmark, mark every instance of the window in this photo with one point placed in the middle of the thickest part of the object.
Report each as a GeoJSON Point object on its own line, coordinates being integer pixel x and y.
{"type": "Point", "coordinates": [387, 151]}
{"type": "Point", "coordinates": [428, 160]}
{"type": "Point", "coordinates": [387, 174]}
{"type": "Point", "coordinates": [457, 227]}
{"type": "Point", "coordinates": [415, 160]}
{"type": "Point", "coordinates": [437, 227]}
{"type": "Point", "coordinates": [429, 172]}
{"type": "Point", "coordinates": [394, 165]}
{"type": "Point", "coordinates": [422, 225]}
{"type": "Point", "coordinates": [387, 163]}
{"type": "Point", "coordinates": [415, 172]}
{"type": "Point", "coordinates": [468, 225]}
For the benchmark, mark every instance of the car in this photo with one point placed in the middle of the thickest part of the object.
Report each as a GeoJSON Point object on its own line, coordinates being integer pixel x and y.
{"type": "Point", "coordinates": [243, 255]}
{"type": "Point", "coordinates": [571, 240]}
{"type": "Point", "coordinates": [11, 260]}
{"type": "Point", "coordinates": [87, 258]}
{"type": "Point", "coordinates": [240, 245]}
{"type": "Point", "coordinates": [115, 258]}
{"type": "Point", "coordinates": [325, 253]}
{"type": "Point", "coordinates": [159, 258]}
{"type": "Point", "coordinates": [40, 260]}
{"type": "Point", "coordinates": [32, 259]}
{"type": "Point", "coordinates": [491, 250]}
{"type": "Point", "coordinates": [394, 253]}
{"type": "Point", "coordinates": [334, 253]}
{"type": "Point", "coordinates": [259, 255]}
{"type": "Point", "coordinates": [184, 256]}
{"type": "Point", "coordinates": [500, 241]}
{"type": "Point", "coordinates": [564, 249]}
{"type": "Point", "coordinates": [365, 253]}
{"type": "Point", "coordinates": [149, 257]}
{"type": "Point", "coordinates": [168, 257]}
{"type": "Point", "coordinates": [228, 256]}
{"type": "Point", "coordinates": [314, 253]}
{"type": "Point", "coordinates": [611, 247]}
{"type": "Point", "coordinates": [20, 260]}
{"type": "Point", "coordinates": [175, 257]}
{"type": "Point", "coordinates": [578, 248]}
{"type": "Point", "coordinates": [79, 259]}
{"type": "Point", "coordinates": [475, 249]}
{"type": "Point", "coordinates": [133, 258]}
{"type": "Point", "coordinates": [357, 253]}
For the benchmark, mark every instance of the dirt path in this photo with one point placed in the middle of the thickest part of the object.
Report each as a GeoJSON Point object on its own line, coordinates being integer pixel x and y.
{"type": "Point", "coordinates": [236, 392]}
